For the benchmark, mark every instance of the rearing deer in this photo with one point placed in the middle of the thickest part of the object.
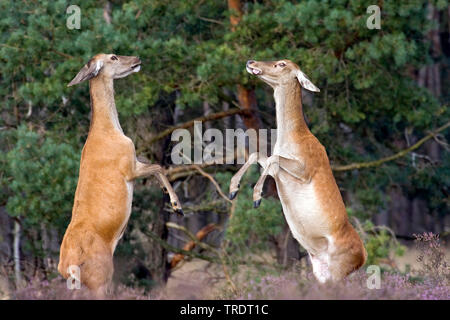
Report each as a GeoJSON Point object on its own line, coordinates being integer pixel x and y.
{"type": "Point", "coordinates": [311, 201]}
{"type": "Point", "coordinates": [108, 167]}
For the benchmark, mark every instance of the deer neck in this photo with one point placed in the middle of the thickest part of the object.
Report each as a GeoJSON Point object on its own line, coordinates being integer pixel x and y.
{"type": "Point", "coordinates": [104, 112]}
{"type": "Point", "coordinates": [290, 120]}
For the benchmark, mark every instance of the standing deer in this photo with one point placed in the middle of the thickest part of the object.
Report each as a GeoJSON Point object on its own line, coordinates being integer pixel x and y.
{"type": "Point", "coordinates": [108, 168]}
{"type": "Point", "coordinates": [311, 201]}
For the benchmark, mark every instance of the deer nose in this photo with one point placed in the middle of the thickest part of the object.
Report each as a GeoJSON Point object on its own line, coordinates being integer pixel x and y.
{"type": "Point", "coordinates": [249, 62]}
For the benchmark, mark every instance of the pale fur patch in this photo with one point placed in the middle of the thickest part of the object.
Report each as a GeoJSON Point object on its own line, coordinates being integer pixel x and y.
{"type": "Point", "coordinates": [305, 82]}
{"type": "Point", "coordinates": [115, 119]}
{"type": "Point", "coordinates": [98, 66]}
{"type": "Point", "coordinates": [321, 267]}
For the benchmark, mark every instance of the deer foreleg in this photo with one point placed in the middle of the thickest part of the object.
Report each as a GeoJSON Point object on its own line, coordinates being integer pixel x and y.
{"type": "Point", "coordinates": [145, 170]}
{"type": "Point", "coordinates": [274, 163]}
{"type": "Point", "coordinates": [236, 179]}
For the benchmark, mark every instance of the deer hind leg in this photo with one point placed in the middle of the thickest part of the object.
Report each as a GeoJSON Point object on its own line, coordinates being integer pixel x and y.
{"type": "Point", "coordinates": [86, 251]}
{"type": "Point", "coordinates": [347, 259]}
{"type": "Point", "coordinates": [145, 170]}
{"type": "Point", "coordinates": [96, 274]}
{"type": "Point", "coordinates": [321, 267]}
{"type": "Point", "coordinates": [236, 179]}
{"type": "Point", "coordinates": [341, 266]}
{"type": "Point", "coordinates": [97, 268]}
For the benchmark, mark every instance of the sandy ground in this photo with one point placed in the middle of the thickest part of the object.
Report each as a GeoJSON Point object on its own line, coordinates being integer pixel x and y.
{"type": "Point", "coordinates": [4, 288]}
{"type": "Point", "coordinates": [195, 279]}
{"type": "Point", "coordinates": [198, 279]}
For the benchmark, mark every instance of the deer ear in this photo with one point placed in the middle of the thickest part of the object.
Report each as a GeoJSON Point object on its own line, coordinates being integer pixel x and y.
{"type": "Point", "coordinates": [89, 71]}
{"type": "Point", "coordinates": [305, 82]}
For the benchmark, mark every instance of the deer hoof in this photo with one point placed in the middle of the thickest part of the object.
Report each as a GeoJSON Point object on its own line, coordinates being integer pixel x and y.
{"type": "Point", "coordinates": [179, 212]}
{"type": "Point", "coordinates": [233, 194]}
{"type": "Point", "coordinates": [256, 203]}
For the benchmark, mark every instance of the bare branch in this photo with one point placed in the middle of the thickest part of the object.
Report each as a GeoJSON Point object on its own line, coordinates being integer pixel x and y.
{"type": "Point", "coordinates": [199, 236]}
{"type": "Point", "coordinates": [171, 248]}
{"type": "Point", "coordinates": [206, 246]}
{"type": "Point", "coordinates": [174, 173]}
{"type": "Point", "coordinates": [214, 182]}
{"type": "Point", "coordinates": [375, 163]}
{"type": "Point", "coordinates": [215, 206]}
{"type": "Point", "coordinates": [191, 236]}
{"type": "Point", "coordinates": [211, 20]}
{"type": "Point", "coordinates": [190, 123]}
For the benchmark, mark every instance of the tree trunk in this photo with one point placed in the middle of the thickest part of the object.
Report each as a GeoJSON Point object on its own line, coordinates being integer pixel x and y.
{"type": "Point", "coordinates": [107, 12]}
{"type": "Point", "coordinates": [226, 107]}
{"type": "Point", "coordinates": [16, 246]}
{"type": "Point", "coordinates": [6, 226]}
{"type": "Point", "coordinates": [206, 111]}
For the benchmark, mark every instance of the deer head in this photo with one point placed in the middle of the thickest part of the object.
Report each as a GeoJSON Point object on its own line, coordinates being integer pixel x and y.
{"type": "Point", "coordinates": [278, 73]}
{"type": "Point", "coordinates": [107, 65]}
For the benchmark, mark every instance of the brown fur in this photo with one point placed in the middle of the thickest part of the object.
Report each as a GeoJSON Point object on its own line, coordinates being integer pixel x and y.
{"type": "Point", "coordinates": [107, 170]}
{"type": "Point", "coordinates": [303, 161]}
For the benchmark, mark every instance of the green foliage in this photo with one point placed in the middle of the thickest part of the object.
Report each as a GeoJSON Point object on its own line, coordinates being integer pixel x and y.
{"type": "Point", "coordinates": [40, 175]}
{"type": "Point", "coordinates": [249, 228]}
{"type": "Point", "coordinates": [380, 244]}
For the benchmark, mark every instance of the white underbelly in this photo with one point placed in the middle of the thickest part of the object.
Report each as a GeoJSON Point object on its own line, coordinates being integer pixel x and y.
{"type": "Point", "coordinates": [130, 187]}
{"type": "Point", "coordinates": [303, 212]}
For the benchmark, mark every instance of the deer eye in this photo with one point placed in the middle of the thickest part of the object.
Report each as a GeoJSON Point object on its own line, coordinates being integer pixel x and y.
{"type": "Point", "coordinates": [114, 58]}
{"type": "Point", "coordinates": [282, 64]}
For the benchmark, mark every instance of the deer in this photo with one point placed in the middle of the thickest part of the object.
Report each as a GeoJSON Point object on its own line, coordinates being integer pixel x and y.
{"type": "Point", "coordinates": [310, 198]}
{"type": "Point", "coordinates": [108, 169]}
